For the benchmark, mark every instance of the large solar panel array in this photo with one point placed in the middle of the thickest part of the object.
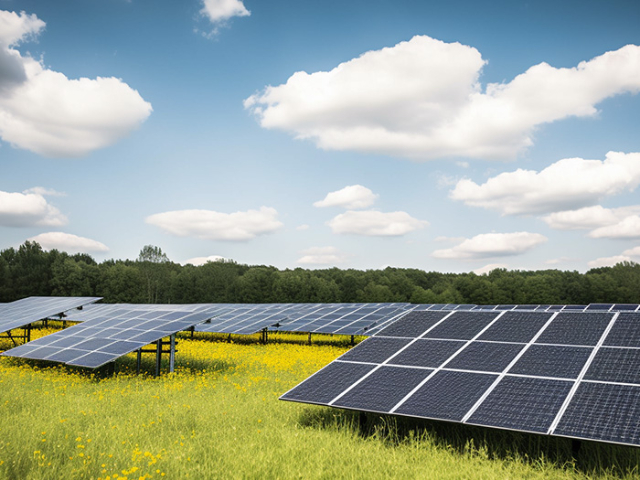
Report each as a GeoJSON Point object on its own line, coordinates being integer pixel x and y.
{"type": "Point", "coordinates": [572, 374]}
{"type": "Point", "coordinates": [28, 310]}
{"type": "Point", "coordinates": [101, 340]}
{"type": "Point", "coordinates": [245, 319]}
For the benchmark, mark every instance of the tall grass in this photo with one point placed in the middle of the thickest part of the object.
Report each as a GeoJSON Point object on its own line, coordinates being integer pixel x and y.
{"type": "Point", "coordinates": [218, 416]}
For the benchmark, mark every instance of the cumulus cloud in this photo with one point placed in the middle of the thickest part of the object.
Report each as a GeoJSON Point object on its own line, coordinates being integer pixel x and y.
{"type": "Point", "coordinates": [28, 210]}
{"type": "Point", "coordinates": [556, 261]}
{"type": "Point", "coordinates": [632, 252]}
{"type": "Point", "coordinates": [47, 113]}
{"type": "Point", "coordinates": [626, 228]}
{"type": "Point", "coordinates": [50, 192]}
{"type": "Point", "coordinates": [322, 256]}
{"type": "Point", "coordinates": [375, 224]}
{"type": "Point", "coordinates": [608, 261]}
{"type": "Point", "coordinates": [422, 99]}
{"type": "Point", "coordinates": [488, 245]}
{"type": "Point", "coordinates": [218, 11]}
{"type": "Point", "coordinates": [351, 197]}
{"type": "Point", "coordinates": [568, 184]}
{"type": "Point", "coordinates": [210, 225]}
{"type": "Point", "coordinates": [489, 268]}
{"type": "Point", "coordinates": [197, 261]}
{"type": "Point", "coordinates": [69, 243]}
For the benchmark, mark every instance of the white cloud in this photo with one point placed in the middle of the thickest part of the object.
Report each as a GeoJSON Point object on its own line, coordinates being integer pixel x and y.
{"type": "Point", "coordinates": [351, 197]}
{"type": "Point", "coordinates": [556, 261]}
{"type": "Point", "coordinates": [568, 184]}
{"type": "Point", "coordinates": [197, 261]}
{"type": "Point", "coordinates": [303, 227]}
{"type": "Point", "coordinates": [421, 99]}
{"type": "Point", "coordinates": [488, 245]}
{"type": "Point", "coordinates": [489, 268]}
{"type": "Point", "coordinates": [632, 252]}
{"type": "Point", "coordinates": [588, 217]}
{"type": "Point", "coordinates": [629, 227]}
{"type": "Point", "coordinates": [69, 243]}
{"type": "Point", "coordinates": [49, 192]}
{"type": "Point", "coordinates": [218, 11]}
{"type": "Point", "coordinates": [322, 256]}
{"type": "Point", "coordinates": [47, 113]}
{"type": "Point", "coordinates": [608, 261]}
{"type": "Point", "coordinates": [28, 210]}
{"type": "Point", "coordinates": [210, 225]}
{"type": "Point", "coordinates": [374, 223]}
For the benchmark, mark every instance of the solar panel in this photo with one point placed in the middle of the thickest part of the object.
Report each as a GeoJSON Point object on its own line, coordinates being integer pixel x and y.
{"type": "Point", "coordinates": [101, 340]}
{"type": "Point", "coordinates": [570, 373]}
{"type": "Point", "coordinates": [28, 310]}
{"type": "Point", "coordinates": [344, 319]}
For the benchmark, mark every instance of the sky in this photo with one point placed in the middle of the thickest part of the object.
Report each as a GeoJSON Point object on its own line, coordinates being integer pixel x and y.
{"type": "Point", "coordinates": [447, 136]}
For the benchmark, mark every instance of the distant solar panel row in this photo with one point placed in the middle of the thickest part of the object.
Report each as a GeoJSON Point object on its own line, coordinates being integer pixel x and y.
{"type": "Point", "coordinates": [604, 307]}
{"type": "Point", "coordinates": [560, 373]}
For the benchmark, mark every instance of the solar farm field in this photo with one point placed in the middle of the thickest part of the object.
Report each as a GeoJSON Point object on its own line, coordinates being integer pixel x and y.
{"type": "Point", "coordinates": [218, 416]}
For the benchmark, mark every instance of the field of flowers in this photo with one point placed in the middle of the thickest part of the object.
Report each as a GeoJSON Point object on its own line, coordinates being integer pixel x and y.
{"type": "Point", "coordinates": [218, 416]}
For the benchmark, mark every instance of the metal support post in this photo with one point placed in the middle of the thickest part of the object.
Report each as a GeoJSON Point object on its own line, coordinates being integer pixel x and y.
{"type": "Point", "coordinates": [353, 340]}
{"type": "Point", "coordinates": [139, 361]}
{"type": "Point", "coordinates": [309, 338]}
{"type": "Point", "coordinates": [158, 356]}
{"type": "Point", "coordinates": [28, 333]}
{"type": "Point", "coordinates": [172, 352]}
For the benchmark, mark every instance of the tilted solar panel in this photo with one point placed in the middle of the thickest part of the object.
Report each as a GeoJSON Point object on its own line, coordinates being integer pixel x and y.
{"type": "Point", "coordinates": [568, 373]}
{"type": "Point", "coordinates": [101, 340]}
{"type": "Point", "coordinates": [28, 310]}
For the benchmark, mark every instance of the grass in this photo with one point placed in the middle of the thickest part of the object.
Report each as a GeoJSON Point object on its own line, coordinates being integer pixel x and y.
{"type": "Point", "coordinates": [218, 416]}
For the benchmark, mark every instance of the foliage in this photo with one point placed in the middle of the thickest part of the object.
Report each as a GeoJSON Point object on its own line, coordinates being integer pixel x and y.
{"type": "Point", "coordinates": [153, 278]}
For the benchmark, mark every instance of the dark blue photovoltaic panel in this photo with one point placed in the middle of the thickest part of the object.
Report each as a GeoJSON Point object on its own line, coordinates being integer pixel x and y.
{"type": "Point", "coordinates": [462, 325]}
{"type": "Point", "coordinates": [383, 389]}
{"type": "Point", "coordinates": [615, 365]}
{"type": "Point", "coordinates": [107, 338]}
{"type": "Point", "coordinates": [427, 353]}
{"type": "Point", "coordinates": [602, 307]}
{"type": "Point", "coordinates": [481, 367]}
{"type": "Point", "coordinates": [625, 331]}
{"type": "Point", "coordinates": [575, 307]}
{"type": "Point", "coordinates": [447, 395]}
{"type": "Point", "coordinates": [576, 329]}
{"type": "Point", "coordinates": [375, 349]}
{"type": "Point", "coordinates": [485, 356]}
{"type": "Point", "coordinates": [412, 324]}
{"type": "Point", "coordinates": [605, 412]}
{"type": "Point", "coordinates": [552, 361]}
{"type": "Point", "coordinates": [520, 403]}
{"type": "Point", "coordinates": [22, 312]}
{"type": "Point", "coordinates": [328, 383]}
{"type": "Point", "coordinates": [516, 327]}
{"type": "Point", "coordinates": [624, 307]}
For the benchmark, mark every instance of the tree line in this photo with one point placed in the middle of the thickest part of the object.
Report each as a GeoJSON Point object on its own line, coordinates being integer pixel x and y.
{"type": "Point", "coordinates": [153, 278]}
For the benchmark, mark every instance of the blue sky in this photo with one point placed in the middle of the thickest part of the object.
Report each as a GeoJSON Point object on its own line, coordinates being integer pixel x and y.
{"type": "Point", "coordinates": [449, 136]}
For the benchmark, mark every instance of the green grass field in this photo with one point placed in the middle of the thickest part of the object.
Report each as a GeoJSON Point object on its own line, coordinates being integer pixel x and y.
{"type": "Point", "coordinates": [218, 416]}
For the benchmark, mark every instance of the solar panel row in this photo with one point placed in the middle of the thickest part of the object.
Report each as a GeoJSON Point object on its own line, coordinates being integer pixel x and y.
{"type": "Point", "coordinates": [28, 310]}
{"type": "Point", "coordinates": [101, 340]}
{"type": "Point", "coordinates": [574, 374]}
